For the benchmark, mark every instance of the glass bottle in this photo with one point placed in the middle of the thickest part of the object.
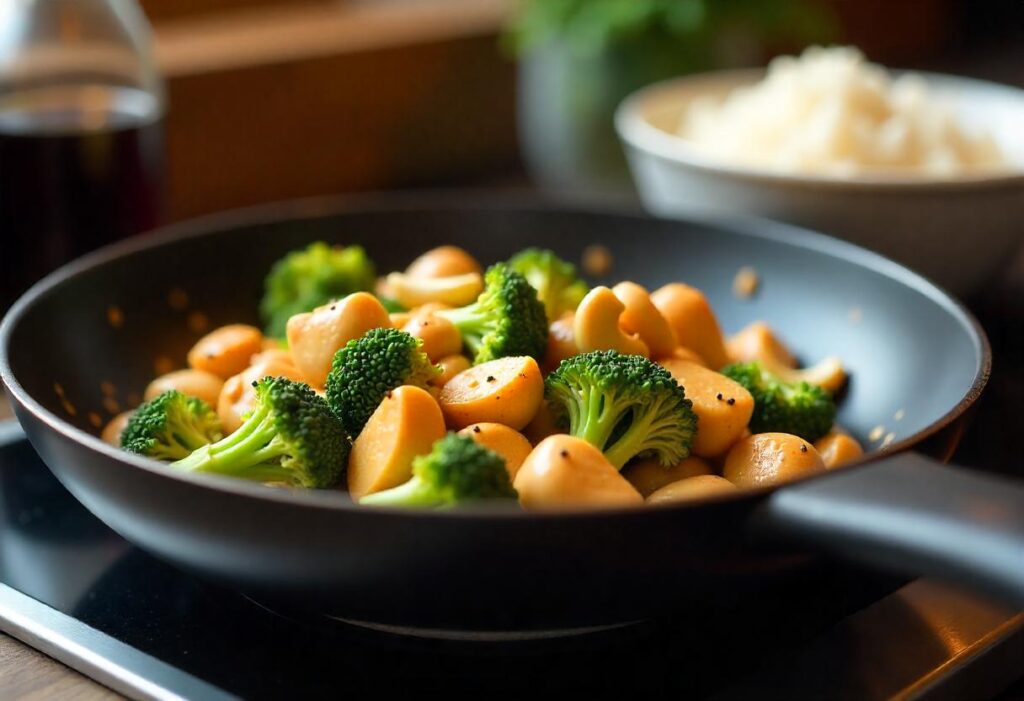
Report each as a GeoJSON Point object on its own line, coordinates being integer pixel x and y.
{"type": "Point", "coordinates": [81, 141]}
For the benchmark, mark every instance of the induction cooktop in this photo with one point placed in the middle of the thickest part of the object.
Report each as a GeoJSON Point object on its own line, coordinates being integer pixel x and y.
{"type": "Point", "coordinates": [74, 589]}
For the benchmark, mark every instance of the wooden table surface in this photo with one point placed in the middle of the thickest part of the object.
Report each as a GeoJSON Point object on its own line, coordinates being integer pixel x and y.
{"type": "Point", "coordinates": [27, 675]}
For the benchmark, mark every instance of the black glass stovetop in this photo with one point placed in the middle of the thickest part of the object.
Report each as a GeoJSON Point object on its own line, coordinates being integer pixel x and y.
{"type": "Point", "coordinates": [73, 588]}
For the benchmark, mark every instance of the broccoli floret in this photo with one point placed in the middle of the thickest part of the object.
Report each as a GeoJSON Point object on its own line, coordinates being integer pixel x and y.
{"type": "Point", "coordinates": [310, 277]}
{"type": "Point", "coordinates": [506, 319]}
{"type": "Point", "coordinates": [170, 426]}
{"type": "Point", "coordinates": [457, 469]}
{"type": "Point", "coordinates": [367, 368]}
{"type": "Point", "coordinates": [800, 408]}
{"type": "Point", "coordinates": [558, 286]}
{"type": "Point", "coordinates": [625, 405]}
{"type": "Point", "coordinates": [290, 436]}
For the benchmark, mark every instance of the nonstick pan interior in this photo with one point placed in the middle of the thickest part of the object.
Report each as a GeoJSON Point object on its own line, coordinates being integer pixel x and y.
{"type": "Point", "coordinates": [912, 352]}
{"type": "Point", "coordinates": [84, 343]}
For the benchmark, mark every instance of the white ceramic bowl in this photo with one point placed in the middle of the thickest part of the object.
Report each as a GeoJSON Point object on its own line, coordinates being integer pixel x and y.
{"type": "Point", "coordinates": [958, 231]}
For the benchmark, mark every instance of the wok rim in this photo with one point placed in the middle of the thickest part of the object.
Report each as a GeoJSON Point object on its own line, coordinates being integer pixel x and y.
{"type": "Point", "coordinates": [455, 201]}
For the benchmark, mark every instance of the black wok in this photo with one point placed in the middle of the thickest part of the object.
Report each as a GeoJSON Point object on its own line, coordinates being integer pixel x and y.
{"type": "Point", "coordinates": [88, 338]}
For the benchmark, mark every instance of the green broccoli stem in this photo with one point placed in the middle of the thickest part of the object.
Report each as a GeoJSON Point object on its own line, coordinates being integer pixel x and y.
{"type": "Point", "coordinates": [471, 323]}
{"type": "Point", "coordinates": [187, 436]}
{"type": "Point", "coordinates": [170, 450]}
{"type": "Point", "coordinates": [467, 317]}
{"type": "Point", "coordinates": [596, 419]}
{"type": "Point", "coordinates": [413, 493]}
{"type": "Point", "coordinates": [249, 452]}
{"type": "Point", "coordinates": [632, 441]}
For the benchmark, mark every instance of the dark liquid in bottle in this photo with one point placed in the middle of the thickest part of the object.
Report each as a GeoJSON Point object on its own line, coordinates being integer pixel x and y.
{"type": "Point", "coordinates": [79, 168]}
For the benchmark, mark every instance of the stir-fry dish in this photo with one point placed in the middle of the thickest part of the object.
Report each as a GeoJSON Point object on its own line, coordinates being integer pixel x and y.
{"type": "Point", "coordinates": [446, 384]}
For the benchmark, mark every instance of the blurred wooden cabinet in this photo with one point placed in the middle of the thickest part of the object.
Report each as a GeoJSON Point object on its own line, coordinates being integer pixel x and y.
{"type": "Point", "coordinates": [158, 10]}
{"type": "Point", "coordinates": [304, 99]}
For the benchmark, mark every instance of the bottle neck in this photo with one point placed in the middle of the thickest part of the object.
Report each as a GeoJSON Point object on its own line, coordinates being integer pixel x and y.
{"type": "Point", "coordinates": [97, 50]}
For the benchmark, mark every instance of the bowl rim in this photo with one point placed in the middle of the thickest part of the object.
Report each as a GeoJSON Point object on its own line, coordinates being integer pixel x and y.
{"type": "Point", "coordinates": [635, 131]}
{"type": "Point", "coordinates": [455, 201]}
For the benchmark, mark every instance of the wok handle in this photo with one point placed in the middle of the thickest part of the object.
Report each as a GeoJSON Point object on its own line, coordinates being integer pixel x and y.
{"type": "Point", "coordinates": [910, 514]}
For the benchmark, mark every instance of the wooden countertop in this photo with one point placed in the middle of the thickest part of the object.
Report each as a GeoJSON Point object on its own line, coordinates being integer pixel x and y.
{"type": "Point", "coordinates": [27, 675]}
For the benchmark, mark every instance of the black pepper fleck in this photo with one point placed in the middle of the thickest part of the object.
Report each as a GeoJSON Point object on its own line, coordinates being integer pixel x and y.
{"type": "Point", "coordinates": [719, 397]}
{"type": "Point", "coordinates": [476, 429]}
{"type": "Point", "coordinates": [490, 378]}
{"type": "Point", "coordinates": [565, 453]}
{"type": "Point", "coordinates": [730, 401]}
{"type": "Point", "coordinates": [803, 448]}
{"type": "Point", "coordinates": [333, 306]}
